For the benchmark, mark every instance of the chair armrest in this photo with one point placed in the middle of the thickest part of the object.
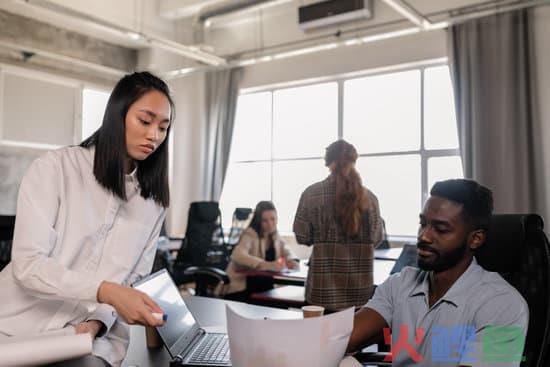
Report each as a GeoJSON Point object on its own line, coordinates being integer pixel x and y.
{"type": "Point", "coordinates": [372, 358]}
{"type": "Point", "coordinates": [209, 271]}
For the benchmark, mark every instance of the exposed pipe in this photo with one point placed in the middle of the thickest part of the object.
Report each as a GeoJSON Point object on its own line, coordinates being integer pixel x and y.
{"type": "Point", "coordinates": [68, 59]}
{"type": "Point", "coordinates": [408, 12]}
{"type": "Point", "coordinates": [230, 8]}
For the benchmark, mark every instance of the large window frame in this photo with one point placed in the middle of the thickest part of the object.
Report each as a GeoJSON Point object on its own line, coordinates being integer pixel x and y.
{"type": "Point", "coordinates": [424, 153]}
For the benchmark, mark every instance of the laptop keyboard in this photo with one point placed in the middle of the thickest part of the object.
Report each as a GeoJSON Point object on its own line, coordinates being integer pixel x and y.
{"type": "Point", "coordinates": [213, 349]}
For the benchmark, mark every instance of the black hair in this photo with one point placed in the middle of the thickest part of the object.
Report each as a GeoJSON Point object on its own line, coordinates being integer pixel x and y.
{"type": "Point", "coordinates": [110, 141]}
{"type": "Point", "coordinates": [256, 222]}
{"type": "Point", "coordinates": [477, 200]}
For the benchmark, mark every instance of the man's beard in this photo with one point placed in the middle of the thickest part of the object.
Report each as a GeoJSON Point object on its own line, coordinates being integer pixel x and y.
{"type": "Point", "coordinates": [441, 262]}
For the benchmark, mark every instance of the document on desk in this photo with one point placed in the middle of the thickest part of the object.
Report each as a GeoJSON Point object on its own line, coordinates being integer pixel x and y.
{"type": "Point", "coordinates": [48, 347]}
{"type": "Point", "coordinates": [317, 341]}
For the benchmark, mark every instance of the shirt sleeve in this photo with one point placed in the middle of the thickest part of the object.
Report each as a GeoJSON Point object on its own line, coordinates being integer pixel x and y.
{"type": "Point", "coordinates": [500, 332]}
{"type": "Point", "coordinates": [34, 239]}
{"type": "Point", "coordinates": [145, 262]}
{"type": "Point", "coordinates": [106, 314]}
{"type": "Point", "coordinates": [302, 227]}
{"type": "Point", "coordinates": [375, 221]}
{"type": "Point", "coordinates": [241, 253]}
{"type": "Point", "coordinates": [383, 299]}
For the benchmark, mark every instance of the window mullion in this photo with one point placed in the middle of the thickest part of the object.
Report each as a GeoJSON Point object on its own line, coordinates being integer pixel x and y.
{"type": "Point", "coordinates": [423, 154]}
{"type": "Point", "coordinates": [340, 109]}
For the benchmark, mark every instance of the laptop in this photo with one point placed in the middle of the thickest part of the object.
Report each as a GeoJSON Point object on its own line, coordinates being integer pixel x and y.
{"type": "Point", "coordinates": [187, 343]}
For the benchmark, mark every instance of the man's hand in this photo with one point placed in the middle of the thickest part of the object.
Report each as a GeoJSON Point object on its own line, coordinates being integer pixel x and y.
{"type": "Point", "coordinates": [91, 326]}
{"type": "Point", "coordinates": [135, 307]}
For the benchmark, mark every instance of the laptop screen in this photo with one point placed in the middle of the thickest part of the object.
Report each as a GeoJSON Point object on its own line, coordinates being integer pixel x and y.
{"type": "Point", "coordinates": [181, 323]}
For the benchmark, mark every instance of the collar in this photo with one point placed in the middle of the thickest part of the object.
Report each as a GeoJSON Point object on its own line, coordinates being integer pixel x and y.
{"type": "Point", "coordinates": [128, 178]}
{"type": "Point", "coordinates": [455, 294]}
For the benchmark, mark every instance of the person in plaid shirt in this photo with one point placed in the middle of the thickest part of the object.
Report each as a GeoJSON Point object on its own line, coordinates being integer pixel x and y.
{"type": "Point", "coordinates": [340, 218]}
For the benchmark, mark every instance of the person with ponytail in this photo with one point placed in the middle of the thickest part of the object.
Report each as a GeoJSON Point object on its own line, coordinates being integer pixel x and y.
{"type": "Point", "coordinates": [341, 220]}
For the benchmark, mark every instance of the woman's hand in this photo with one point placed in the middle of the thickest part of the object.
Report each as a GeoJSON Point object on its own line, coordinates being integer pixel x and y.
{"type": "Point", "coordinates": [92, 327]}
{"type": "Point", "coordinates": [276, 266]}
{"type": "Point", "coordinates": [292, 264]}
{"type": "Point", "coordinates": [135, 307]}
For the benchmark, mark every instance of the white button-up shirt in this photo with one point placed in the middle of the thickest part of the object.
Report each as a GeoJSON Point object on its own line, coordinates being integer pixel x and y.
{"type": "Point", "coordinates": [70, 235]}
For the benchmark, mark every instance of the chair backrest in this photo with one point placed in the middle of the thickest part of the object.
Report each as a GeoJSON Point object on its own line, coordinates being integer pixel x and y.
{"type": "Point", "coordinates": [203, 244]}
{"type": "Point", "coordinates": [518, 249]}
{"type": "Point", "coordinates": [240, 219]}
{"type": "Point", "coordinates": [7, 225]}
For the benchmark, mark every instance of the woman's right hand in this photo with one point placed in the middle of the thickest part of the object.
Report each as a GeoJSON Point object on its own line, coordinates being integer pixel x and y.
{"type": "Point", "coordinates": [135, 307]}
{"type": "Point", "coordinates": [276, 266]}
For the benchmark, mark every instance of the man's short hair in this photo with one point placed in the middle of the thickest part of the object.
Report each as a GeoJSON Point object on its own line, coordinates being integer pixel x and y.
{"type": "Point", "coordinates": [477, 200]}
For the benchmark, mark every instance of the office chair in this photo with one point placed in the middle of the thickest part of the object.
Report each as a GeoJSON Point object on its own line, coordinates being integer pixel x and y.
{"type": "Point", "coordinates": [238, 224]}
{"type": "Point", "coordinates": [518, 250]}
{"type": "Point", "coordinates": [203, 255]}
{"type": "Point", "coordinates": [7, 225]}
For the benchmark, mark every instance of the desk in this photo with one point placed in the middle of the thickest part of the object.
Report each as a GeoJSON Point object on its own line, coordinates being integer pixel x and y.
{"type": "Point", "coordinates": [285, 296]}
{"type": "Point", "coordinates": [391, 254]}
{"type": "Point", "coordinates": [382, 269]}
{"type": "Point", "coordinates": [210, 313]}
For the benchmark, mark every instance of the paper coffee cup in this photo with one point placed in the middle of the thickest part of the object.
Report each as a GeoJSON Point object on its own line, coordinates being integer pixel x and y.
{"type": "Point", "coordinates": [312, 311]}
{"type": "Point", "coordinates": [152, 337]}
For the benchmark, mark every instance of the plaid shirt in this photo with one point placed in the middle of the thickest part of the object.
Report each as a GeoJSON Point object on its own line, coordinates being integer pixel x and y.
{"type": "Point", "coordinates": [341, 267]}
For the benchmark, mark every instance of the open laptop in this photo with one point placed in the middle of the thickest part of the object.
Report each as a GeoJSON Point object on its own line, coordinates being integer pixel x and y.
{"type": "Point", "coordinates": [185, 340]}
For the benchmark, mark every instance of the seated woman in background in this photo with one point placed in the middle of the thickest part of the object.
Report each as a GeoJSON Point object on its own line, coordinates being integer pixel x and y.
{"type": "Point", "coordinates": [260, 248]}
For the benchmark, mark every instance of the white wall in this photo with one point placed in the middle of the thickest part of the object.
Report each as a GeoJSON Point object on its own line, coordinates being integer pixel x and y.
{"type": "Point", "coordinates": [187, 135]}
{"type": "Point", "coordinates": [412, 48]}
{"type": "Point", "coordinates": [542, 34]}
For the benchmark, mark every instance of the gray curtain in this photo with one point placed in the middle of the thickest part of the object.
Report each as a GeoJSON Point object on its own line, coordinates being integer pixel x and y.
{"type": "Point", "coordinates": [492, 67]}
{"type": "Point", "coordinates": [222, 90]}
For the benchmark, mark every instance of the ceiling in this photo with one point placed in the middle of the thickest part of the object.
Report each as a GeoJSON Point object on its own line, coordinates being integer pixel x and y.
{"type": "Point", "coordinates": [198, 32]}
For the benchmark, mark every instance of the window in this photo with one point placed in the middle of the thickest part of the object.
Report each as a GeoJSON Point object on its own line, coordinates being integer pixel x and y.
{"type": "Point", "coordinates": [93, 108]}
{"type": "Point", "coordinates": [402, 124]}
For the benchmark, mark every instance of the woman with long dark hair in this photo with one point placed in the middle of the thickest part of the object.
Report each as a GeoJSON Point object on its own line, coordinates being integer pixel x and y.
{"type": "Point", "coordinates": [341, 220]}
{"type": "Point", "coordinates": [261, 248]}
{"type": "Point", "coordinates": [87, 223]}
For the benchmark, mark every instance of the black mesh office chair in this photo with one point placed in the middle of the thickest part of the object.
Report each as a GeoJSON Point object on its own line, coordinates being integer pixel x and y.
{"type": "Point", "coordinates": [203, 255]}
{"type": "Point", "coordinates": [7, 225]}
{"type": "Point", "coordinates": [517, 249]}
{"type": "Point", "coordinates": [239, 221]}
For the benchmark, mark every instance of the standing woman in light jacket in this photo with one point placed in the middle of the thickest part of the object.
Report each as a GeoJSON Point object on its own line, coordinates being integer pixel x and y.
{"type": "Point", "coordinates": [87, 223]}
{"type": "Point", "coordinates": [340, 218]}
{"type": "Point", "coordinates": [260, 248]}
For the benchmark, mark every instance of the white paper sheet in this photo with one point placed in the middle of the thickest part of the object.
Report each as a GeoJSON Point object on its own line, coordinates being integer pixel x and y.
{"type": "Point", "coordinates": [44, 348]}
{"type": "Point", "coordinates": [316, 341]}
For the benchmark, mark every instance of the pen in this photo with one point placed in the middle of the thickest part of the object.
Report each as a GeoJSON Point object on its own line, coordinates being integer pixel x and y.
{"type": "Point", "coordinates": [160, 316]}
